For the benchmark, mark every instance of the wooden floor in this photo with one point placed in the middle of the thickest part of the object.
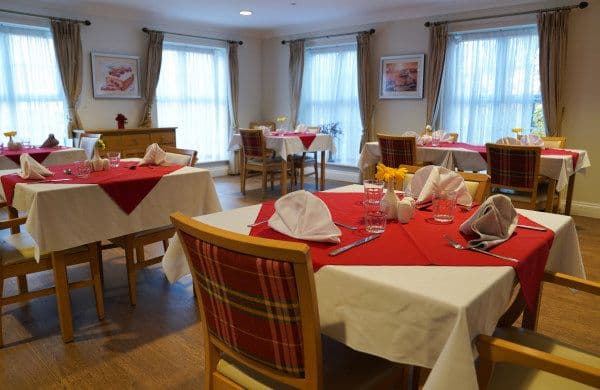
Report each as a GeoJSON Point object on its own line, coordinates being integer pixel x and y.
{"type": "Point", "coordinates": [158, 344]}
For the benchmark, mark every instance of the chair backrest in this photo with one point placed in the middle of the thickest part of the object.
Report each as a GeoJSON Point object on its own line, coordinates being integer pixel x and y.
{"type": "Point", "coordinates": [397, 150]}
{"type": "Point", "coordinates": [180, 156]}
{"type": "Point", "coordinates": [509, 141]}
{"type": "Point", "coordinates": [87, 142]}
{"type": "Point", "coordinates": [478, 184]}
{"type": "Point", "coordinates": [258, 302]}
{"type": "Point", "coordinates": [253, 142]}
{"type": "Point", "coordinates": [313, 129]}
{"type": "Point", "coordinates": [554, 142]}
{"type": "Point", "coordinates": [453, 137]}
{"type": "Point", "coordinates": [259, 124]}
{"type": "Point", "coordinates": [513, 167]}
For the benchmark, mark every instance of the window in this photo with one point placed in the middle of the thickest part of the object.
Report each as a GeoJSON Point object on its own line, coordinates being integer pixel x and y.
{"type": "Point", "coordinates": [32, 102]}
{"type": "Point", "coordinates": [192, 95]}
{"type": "Point", "coordinates": [330, 94]}
{"type": "Point", "coordinates": [491, 84]}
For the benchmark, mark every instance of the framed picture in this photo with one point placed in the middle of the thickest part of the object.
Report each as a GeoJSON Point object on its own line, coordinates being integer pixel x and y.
{"type": "Point", "coordinates": [401, 77]}
{"type": "Point", "coordinates": [115, 76]}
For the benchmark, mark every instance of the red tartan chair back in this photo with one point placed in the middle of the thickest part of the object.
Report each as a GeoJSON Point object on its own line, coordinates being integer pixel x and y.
{"type": "Point", "coordinates": [396, 151]}
{"type": "Point", "coordinates": [257, 299]}
{"type": "Point", "coordinates": [514, 167]}
{"type": "Point", "coordinates": [253, 142]}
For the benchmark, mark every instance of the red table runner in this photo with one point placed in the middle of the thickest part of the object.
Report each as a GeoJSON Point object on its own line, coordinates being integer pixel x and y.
{"type": "Point", "coordinates": [420, 242]}
{"type": "Point", "coordinates": [38, 154]}
{"type": "Point", "coordinates": [306, 138]}
{"type": "Point", "coordinates": [483, 152]}
{"type": "Point", "coordinates": [126, 187]}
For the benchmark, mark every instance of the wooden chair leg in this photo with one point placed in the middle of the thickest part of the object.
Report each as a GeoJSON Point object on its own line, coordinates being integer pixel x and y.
{"type": "Point", "coordinates": [243, 178]}
{"type": "Point", "coordinates": [264, 180]}
{"type": "Point", "coordinates": [22, 282]}
{"type": "Point", "coordinates": [316, 173]}
{"type": "Point", "coordinates": [63, 300]}
{"type": "Point", "coordinates": [1, 305]}
{"type": "Point", "coordinates": [140, 256]}
{"type": "Point", "coordinates": [131, 275]}
{"type": "Point", "coordinates": [165, 245]}
{"type": "Point", "coordinates": [100, 263]}
{"type": "Point", "coordinates": [95, 268]}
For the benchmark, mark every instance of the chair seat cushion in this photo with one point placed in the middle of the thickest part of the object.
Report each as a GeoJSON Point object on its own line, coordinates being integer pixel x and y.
{"type": "Point", "coordinates": [525, 197]}
{"type": "Point", "coordinates": [179, 159]}
{"type": "Point", "coordinates": [343, 368]}
{"type": "Point", "coordinates": [19, 248]}
{"type": "Point", "coordinates": [508, 376]}
{"type": "Point", "coordinates": [270, 160]}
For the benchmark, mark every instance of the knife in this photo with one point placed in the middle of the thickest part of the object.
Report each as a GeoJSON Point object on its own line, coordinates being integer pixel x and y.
{"type": "Point", "coordinates": [541, 229]}
{"type": "Point", "coordinates": [344, 248]}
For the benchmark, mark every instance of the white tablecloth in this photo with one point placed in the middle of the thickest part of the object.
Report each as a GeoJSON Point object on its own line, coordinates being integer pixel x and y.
{"type": "Point", "coordinates": [426, 316]}
{"type": "Point", "coordinates": [62, 216]}
{"type": "Point", "coordinates": [57, 157]}
{"type": "Point", "coordinates": [288, 145]}
{"type": "Point", "coordinates": [552, 166]}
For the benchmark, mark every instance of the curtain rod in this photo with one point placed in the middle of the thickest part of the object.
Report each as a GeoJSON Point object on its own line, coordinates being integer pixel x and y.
{"type": "Point", "coordinates": [581, 5]}
{"type": "Point", "coordinates": [371, 31]}
{"type": "Point", "coordinates": [86, 22]}
{"type": "Point", "coordinates": [147, 30]}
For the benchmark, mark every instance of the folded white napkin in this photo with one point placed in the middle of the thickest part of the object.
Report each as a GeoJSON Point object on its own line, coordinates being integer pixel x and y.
{"type": "Point", "coordinates": [410, 134]}
{"type": "Point", "coordinates": [405, 209]}
{"type": "Point", "coordinates": [154, 156]}
{"type": "Point", "coordinates": [494, 222]}
{"type": "Point", "coordinates": [508, 141]}
{"type": "Point", "coordinates": [301, 128]}
{"type": "Point", "coordinates": [31, 169]}
{"type": "Point", "coordinates": [97, 163]}
{"type": "Point", "coordinates": [532, 140]}
{"type": "Point", "coordinates": [431, 179]}
{"type": "Point", "coordinates": [442, 136]}
{"type": "Point", "coordinates": [50, 142]}
{"type": "Point", "coordinates": [302, 215]}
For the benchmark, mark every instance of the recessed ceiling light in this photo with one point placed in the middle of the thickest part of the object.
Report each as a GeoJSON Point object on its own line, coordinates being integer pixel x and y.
{"type": "Point", "coordinates": [245, 12]}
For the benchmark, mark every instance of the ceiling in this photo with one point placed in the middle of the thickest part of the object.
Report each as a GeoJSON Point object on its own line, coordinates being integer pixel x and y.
{"type": "Point", "coordinates": [271, 17]}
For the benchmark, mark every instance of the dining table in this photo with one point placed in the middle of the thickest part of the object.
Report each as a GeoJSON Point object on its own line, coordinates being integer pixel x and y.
{"type": "Point", "coordinates": [558, 164]}
{"type": "Point", "coordinates": [48, 156]}
{"type": "Point", "coordinates": [289, 143]}
{"type": "Point", "coordinates": [421, 311]}
{"type": "Point", "coordinates": [65, 211]}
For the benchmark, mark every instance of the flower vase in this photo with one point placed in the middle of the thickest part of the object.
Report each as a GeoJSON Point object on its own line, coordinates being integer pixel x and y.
{"type": "Point", "coordinates": [97, 163]}
{"type": "Point", "coordinates": [389, 201]}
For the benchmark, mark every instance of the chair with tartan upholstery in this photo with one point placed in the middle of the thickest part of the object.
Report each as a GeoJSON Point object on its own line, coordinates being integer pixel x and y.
{"type": "Point", "coordinates": [515, 172]}
{"type": "Point", "coordinates": [554, 142]}
{"type": "Point", "coordinates": [260, 318]}
{"type": "Point", "coordinates": [256, 157]}
{"type": "Point", "coordinates": [397, 150]}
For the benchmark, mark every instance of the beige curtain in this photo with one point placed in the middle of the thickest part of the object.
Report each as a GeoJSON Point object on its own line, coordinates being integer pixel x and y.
{"type": "Point", "coordinates": [363, 61]}
{"type": "Point", "coordinates": [438, 40]}
{"type": "Point", "coordinates": [552, 30]}
{"type": "Point", "coordinates": [67, 45]}
{"type": "Point", "coordinates": [232, 57]}
{"type": "Point", "coordinates": [296, 73]}
{"type": "Point", "coordinates": [153, 63]}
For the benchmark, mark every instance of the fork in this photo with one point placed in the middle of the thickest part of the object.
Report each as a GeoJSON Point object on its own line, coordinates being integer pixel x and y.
{"type": "Point", "coordinates": [474, 248]}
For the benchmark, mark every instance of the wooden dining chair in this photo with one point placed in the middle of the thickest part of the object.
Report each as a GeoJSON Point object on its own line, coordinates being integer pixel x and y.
{"type": "Point", "coordinates": [258, 124]}
{"type": "Point", "coordinates": [554, 142]}
{"type": "Point", "coordinates": [517, 358]}
{"type": "Point", "coordinates": [17, 260]}
{"type": "Point", "coordinates": [397, 150]}
{"type": "Point", "coordinates": [87, 142]}
{"type": "Point", "coordinates": [261, 324]}
{"type": "Point", "coordinates": [478, 184]}
{"type": "Point", "coordinates": [515, 172]}
{"type": "Point", "coordinates": [256, 157]}
{"type": "Point", "coordinates": [133, 244]}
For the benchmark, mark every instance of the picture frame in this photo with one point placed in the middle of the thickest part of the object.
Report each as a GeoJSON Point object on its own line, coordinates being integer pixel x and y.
{"type": "Point", "coordinates": [115, 76]}
{"type": "Point", "coordinates": [401, 77]}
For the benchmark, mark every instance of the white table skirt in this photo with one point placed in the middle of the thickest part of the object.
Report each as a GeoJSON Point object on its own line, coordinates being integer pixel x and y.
{"type": "Point", "coordinates": [57, 157]}
{"type": "Point", "coordinates": [426, 316]}
{"type": "Point", "coordinates": [62, 216]}
{"type": "Point", "coordinates": [552, 166]}
{"type": "Point", "coordinates": [288, 145]}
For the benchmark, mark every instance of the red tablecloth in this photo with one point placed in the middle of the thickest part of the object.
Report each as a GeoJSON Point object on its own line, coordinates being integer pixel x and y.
{"type": "Point", "coordinates": [306, 138]}
{"type": "Point", "coordinates": [420, 242]}
{"type": "Point", "coordinates": [126, 187]}
{"type": "Point", "coordinates": [38, 154]}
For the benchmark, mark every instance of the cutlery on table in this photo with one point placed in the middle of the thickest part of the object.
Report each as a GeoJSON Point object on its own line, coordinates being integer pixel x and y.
{"type": "Point", "coordinates": [424, 206]}
{"type": "Point", "coordinates": [538, 228]}
{"type": "Point", "coordinates": [258, 223]}
{"type": "Point", "coordinates": [466, 208]}
{"type": "Point", "coordinates": [47, 180]}
{"type": "Point", "coordinates": [354, 244]}
{"type": "Point", "coordinates": [337, 223]}
{"type": "Point", "coordinates": [474, 248]}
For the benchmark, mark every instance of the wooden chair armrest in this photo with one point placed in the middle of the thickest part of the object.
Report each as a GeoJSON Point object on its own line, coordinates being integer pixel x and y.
{"type": "Point", "coordinates": [572, 282]}
{"type": "Point", "coordinates": [499, 350]}
{"type": "Point", "coordinates": [11, 223]}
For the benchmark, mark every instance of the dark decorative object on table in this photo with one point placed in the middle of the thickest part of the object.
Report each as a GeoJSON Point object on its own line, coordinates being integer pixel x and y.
{"type": "Point", "coordinates": [121, 120]}
{"type": "Point", "coordinates": [50, 142]}
{"type": "Point", "coordinates": [334, 130]}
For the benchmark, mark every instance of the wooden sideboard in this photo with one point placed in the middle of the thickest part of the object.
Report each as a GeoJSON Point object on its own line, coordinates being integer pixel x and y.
{"type": "Point", "coordinates": [131, 142]}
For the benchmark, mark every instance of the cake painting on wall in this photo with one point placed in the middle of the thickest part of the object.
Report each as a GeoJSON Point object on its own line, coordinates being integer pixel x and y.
{"type": "Point", "coordinates": [115, 76]}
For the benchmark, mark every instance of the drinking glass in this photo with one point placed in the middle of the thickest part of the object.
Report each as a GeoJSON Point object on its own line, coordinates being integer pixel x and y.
{"type": "Point", "coordinates": [435, 139]}
{"type": "Point", "coordinates": [375, 221]}
{"type": "Point", "coordinates": [82, 169]}
{"type": "Point", "coordinates": [26, 143]}
{"type": "Point", "coordinates": [444, 206]}
{"type": "Point", "coordinates": [373, 192]}
{"type": "Point", "coordinates": [114, 158]}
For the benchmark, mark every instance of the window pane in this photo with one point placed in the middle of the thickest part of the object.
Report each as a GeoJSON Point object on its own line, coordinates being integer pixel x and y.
{"type": "Point", "coordinates": [330, 94]}
{"type": "Point", "coordinates": [192, 94]}
{"type": "Point", "coordinates": [31, 95]}
{"type": "Point", "coordinates": [491, 83]}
